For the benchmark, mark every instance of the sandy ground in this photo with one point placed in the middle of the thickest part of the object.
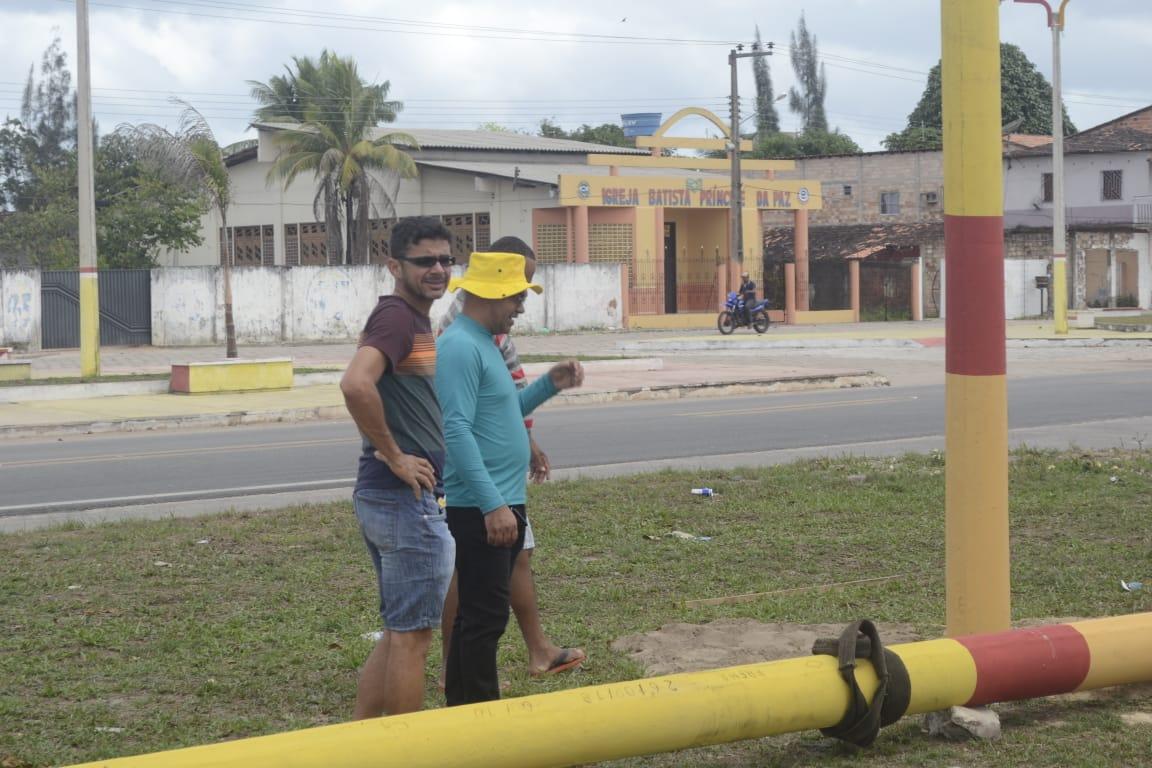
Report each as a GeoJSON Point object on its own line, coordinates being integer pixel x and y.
{"type": "Point", "coordinates": [730, 642]}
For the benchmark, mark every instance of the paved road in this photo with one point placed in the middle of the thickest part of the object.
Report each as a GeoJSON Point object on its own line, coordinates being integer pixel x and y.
{"type": "Point", "coordinates": [89, 472]}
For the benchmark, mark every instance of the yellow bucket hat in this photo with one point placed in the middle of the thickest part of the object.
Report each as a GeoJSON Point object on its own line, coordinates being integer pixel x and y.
{"type": "Point", "coordinates": [494, 276]}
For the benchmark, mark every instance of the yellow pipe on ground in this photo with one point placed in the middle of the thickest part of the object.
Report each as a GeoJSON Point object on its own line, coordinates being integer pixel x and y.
{"type": "Point", "coordinates": [664, 714]}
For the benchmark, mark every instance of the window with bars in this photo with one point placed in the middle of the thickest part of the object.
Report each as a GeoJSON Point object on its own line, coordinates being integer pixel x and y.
{"type": "Point", "coordinates": [251, 246]}
{"type": "Point", "coordinates": [1046, 187]}
{"type": "Point", "coordinates": [552, 243]}
{"type": "Point", "coordinates": [611, 244]}
{"type": "Point", "coordinates": [462, 227]}
{"type": "Point", "coordinates": [1112, 182]}
{"type": "Point", "coordinates": [313, 244]}
{"type": "Point", "coordinates": [379, 233]}
{"type": "Point", "coordinates": [889, 203]}
{"type": "Point", "coordinates": [483, 231]}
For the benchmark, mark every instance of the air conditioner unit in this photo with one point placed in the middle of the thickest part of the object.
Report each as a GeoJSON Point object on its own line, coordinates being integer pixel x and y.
{"type": "Point", "coordinates": [929, 198]}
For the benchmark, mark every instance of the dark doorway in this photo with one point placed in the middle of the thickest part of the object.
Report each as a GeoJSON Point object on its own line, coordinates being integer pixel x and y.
{"type": "Point", "coordinates": [670, 268]}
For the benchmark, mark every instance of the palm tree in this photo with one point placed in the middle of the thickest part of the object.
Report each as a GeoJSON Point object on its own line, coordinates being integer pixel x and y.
{"type": "Point", "coordinates": [336, 112]}
{"type": "Point", "coordinates": [281, 100]}
{"type": "Point", "coordinates": [191, 156]}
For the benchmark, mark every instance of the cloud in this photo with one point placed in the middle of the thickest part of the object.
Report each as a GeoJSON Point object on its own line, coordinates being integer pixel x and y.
{"type": "Point", "coordinates": [461, 64]}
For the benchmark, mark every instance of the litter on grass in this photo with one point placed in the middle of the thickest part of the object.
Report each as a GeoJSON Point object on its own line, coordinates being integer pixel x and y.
{"type": "Point", "coordinates": [689, 536]}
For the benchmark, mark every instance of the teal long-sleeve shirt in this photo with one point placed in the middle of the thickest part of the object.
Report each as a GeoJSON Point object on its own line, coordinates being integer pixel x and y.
{"type": "Point", "coordinates": [487, 445]}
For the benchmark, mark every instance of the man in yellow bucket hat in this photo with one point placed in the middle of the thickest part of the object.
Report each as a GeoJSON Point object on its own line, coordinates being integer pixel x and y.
{"type": "Point", "coordinates": [545, 657]}
{"type": "Point", "coordinates": [488, 455]}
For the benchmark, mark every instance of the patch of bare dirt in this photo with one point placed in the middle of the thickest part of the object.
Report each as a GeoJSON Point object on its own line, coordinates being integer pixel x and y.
{"type": "Point", "coordinates": [730, 642]}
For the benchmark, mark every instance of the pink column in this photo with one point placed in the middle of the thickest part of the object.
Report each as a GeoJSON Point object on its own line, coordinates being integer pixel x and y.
{"type": "Point", "coordinates": [570, 254]}
{"type": "Point", "coordinates": [790, 293]}
{"type": "Point", "coordinates": [917, 303]}
{"type": "Point", "coordinates": [580, 234]}
{"type": "Point", "coordinates": [854, 288]}
{"type": "Point", "coordinates": [801, 236]}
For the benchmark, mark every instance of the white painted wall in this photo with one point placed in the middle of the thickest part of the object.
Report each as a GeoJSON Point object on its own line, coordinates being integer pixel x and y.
{"type": "Point", "coordinates": [20, 308]}
{"type": "Point", "coordinates": [184, 306]}
{"type": "Point", "coordinates": [305, 304]}
{"type": "Point", "coordinates": [1021, 297]}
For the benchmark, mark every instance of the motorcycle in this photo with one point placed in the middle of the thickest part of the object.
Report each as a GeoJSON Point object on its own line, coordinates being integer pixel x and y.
{"type": "Point", "coordinates": [733, 315]}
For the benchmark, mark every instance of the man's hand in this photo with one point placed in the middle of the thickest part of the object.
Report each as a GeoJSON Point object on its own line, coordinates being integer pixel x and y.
{"type": "Point", "coordinates": [501, 526]}
{"type": "Point", "coordinates": [415, 472]}
{"type": "Point", "coordinates": [539, 469]}
{"type": "Point", "coordinates": [567, 374]}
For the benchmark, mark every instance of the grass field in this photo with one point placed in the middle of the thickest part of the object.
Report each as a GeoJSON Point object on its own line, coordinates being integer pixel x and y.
{"type": "Point", "coordinates": [134, 637]}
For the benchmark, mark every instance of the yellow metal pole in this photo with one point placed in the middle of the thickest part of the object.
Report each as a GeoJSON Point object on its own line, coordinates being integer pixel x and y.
{"type": "Point", "coordinates": [976, 410]}
{"type": "Point", "coordinates": [662, 714]}
{"type": "Point", "coordinates": [85, 146]}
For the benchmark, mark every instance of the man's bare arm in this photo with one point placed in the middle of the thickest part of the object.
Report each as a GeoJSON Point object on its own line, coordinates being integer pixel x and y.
{"type": "Point", "coordinates": [362, 399]}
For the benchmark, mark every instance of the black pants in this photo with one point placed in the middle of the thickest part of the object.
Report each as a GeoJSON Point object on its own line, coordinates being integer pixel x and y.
{"type": "Point", "coordinates": [482, 576]}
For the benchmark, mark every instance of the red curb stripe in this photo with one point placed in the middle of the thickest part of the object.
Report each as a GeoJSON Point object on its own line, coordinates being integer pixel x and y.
{"type": "Point", "coordinates": [1027, 663]}
{"type": "Point", "coordinates": [974, 295]}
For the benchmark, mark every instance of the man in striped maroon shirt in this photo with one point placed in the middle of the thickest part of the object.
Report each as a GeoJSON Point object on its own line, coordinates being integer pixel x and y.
{"type": "Point", "coordinates": [389, 391]}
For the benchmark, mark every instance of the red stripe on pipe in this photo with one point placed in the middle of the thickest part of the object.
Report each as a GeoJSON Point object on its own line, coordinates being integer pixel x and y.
{"type": "Point", "coordinates": [1027, 663]}
{"type": "Point", "coordinates": [974, 295]}
{"type": "Point", "coordinates": [88, 270]}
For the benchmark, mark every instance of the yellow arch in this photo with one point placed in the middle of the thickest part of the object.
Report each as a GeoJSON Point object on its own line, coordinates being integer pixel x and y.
{"type": "Point", "coordinates": [662, 140]}
{"type": "Point", "coordinates": [699, 112]}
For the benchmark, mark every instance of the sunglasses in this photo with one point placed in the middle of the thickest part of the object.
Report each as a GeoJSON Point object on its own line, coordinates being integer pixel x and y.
{"type": "Point", "coordinates": [427, 262]}
{"type": "Point", "coordinates": [519, 298]}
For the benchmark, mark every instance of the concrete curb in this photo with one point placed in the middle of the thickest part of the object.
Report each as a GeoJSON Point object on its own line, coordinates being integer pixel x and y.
{"type": "Point", "coordinates": [338, 412]}
{"type": "Point", "coordinates": [33, 392]}
{"type": "Point", "coordinates": [27, 393]}
{"type": "Point", "coordinates": [724, 388]}
{"type": "Point", "coordinates": [714, 345]}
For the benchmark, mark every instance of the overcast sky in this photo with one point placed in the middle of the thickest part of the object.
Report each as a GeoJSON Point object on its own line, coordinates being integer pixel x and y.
{"type": "Point", "coordinates": [459, 64]}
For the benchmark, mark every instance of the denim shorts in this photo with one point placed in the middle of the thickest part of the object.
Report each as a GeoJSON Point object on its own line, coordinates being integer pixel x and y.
{"type": "Point", "coordinates": [413, 554]}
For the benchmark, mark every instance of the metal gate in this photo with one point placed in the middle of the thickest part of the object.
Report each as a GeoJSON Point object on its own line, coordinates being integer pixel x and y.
{"type": "Point", "coordinates": [125, 308]}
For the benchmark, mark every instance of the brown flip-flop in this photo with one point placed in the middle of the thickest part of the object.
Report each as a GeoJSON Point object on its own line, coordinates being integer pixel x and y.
{"type": "Point", "coordinates": [569, 658]}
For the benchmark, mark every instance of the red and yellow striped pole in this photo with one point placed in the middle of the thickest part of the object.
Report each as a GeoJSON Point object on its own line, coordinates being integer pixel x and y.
{"type": "Point", "coordinates": [976, 406]}
{"type": "Point", "coordinates": [663, 714]}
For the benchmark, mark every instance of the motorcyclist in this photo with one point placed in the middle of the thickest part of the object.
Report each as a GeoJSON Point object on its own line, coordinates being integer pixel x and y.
{"type": "Point", "coordinates": [748, 294]}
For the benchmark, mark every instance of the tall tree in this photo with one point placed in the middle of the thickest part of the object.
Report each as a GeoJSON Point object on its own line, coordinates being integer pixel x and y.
{"type": "Point", "coordinates": [48, 108]}
{"type": "Point", "coordinates": [1024, 95]}
{"type": "Point", "coordinates": [281, 99]}
{"type": "Point", "coordinates": [138, 214]}
{"type": "Point", "coordinates": [767, 120]}
{"type": "Point", "coordinates": [337, 143]}
{"type": "Point", "coordinates": [808, 100]}
{"type": "Point", "coordinates": [192, 156]}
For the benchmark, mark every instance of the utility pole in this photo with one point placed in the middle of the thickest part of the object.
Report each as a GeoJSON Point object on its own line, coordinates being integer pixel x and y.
{"type": "Point", "coordinates": [1059, 294]}
{"type": "Point", "coordinates": [89, 282]}
{"type": "Point", "coordinates": [736, 196]}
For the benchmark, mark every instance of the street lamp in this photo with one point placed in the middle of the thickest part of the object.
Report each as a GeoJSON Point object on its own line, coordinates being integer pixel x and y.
{"type": "Point", "coordinates": [735, 201]}
{"type": "Point", "coordinates": [1059, 294]}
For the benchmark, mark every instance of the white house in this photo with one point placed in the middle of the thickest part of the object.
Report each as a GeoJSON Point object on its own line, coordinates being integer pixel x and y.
{"type": "Point", "coordinates": [1108, 208]}
{"type": "Point", "coordinates": [484, 184]}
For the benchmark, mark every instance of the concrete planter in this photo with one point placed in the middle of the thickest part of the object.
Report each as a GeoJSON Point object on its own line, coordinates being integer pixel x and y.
{"type": "Point", "coordinates": [231, 376]}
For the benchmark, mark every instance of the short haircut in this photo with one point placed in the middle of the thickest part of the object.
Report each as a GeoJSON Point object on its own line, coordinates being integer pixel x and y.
{"type": "Point", "coordinates": [512, 244]}
{"type": "Point", "coordinates": [412, 229]}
